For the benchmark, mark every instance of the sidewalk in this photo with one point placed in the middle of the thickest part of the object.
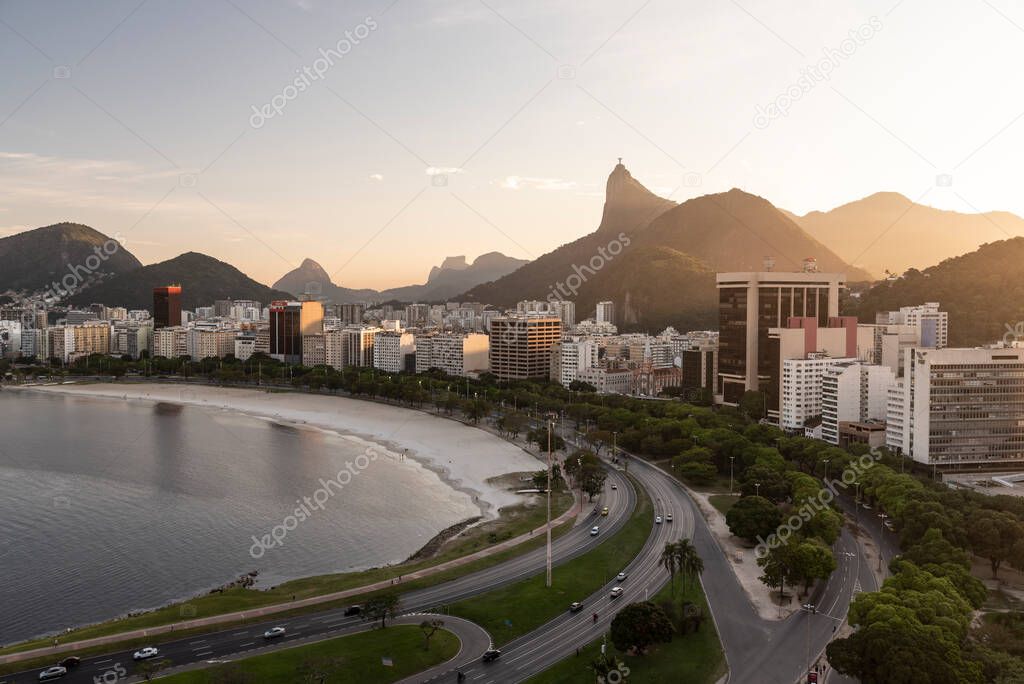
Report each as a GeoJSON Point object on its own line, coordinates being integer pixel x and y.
{"type": "Point", "coordinates": [571, 514]}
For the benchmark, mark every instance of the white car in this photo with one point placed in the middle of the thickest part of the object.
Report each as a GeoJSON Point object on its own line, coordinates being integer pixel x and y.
{"type": "Point", "coordinates": [657, 520]}
{"type": "Point", "coordinates": [616, 592]}
{"type": "Point", "coordinates": [53, 672]}
{"type": "Point", "coordinates": [146, 653]}
{"type": "Point", "coordinates": [594, 531]}
{"type": "Point", "coordinates": [273, 633]}
{"type": "Point", "coordinates": [668, 518]}
{"type": "Point", "coordinates": [621, 576]}
{"type": "Point", "coordinates": [614, 486]}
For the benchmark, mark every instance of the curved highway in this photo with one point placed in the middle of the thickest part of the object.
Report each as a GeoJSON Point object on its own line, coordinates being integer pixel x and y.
{"type": "Point", "coordinates": [216, 646]}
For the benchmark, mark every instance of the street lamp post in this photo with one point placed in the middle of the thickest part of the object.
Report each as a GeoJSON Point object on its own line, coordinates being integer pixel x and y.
{"type": "Point", "coordinates": [732, 459]}
{"type": "Point", "coordinates": [548, 582]}
{"type": "Point", "coordinates": [757, 489]}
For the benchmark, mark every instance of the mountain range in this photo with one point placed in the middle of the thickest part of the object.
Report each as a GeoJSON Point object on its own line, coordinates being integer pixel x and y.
{"type": "Point", "coordinates": [454, 276]}
{"type": "Point", "coordinates": [887, 232]}
{"type": "Point", "coordinates": [662, 257]}
{"type": "Point", "coordinates": [654, 258]}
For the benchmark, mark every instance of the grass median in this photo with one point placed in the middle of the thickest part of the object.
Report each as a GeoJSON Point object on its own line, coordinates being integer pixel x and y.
{"type": "Point", "coordinates": [239, 599]}
{"type": "Point", "coordinates": [519, 608]}
{"type": "Point", "coordinates": [354, 658]}
{"type": "Point", "coordinates": [695, 658]}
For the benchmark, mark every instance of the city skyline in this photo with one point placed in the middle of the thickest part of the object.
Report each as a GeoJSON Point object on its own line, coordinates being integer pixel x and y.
{"type": "Point", "coordinates": [175, 160]}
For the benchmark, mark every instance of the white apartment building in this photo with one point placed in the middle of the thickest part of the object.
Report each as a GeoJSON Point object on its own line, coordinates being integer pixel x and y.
{"type": "Point", "coordinates": [853, 392]}
{"type": "Point", "coordinates": [932, 323]}
{"type": "Point", "coordinates": [314, 350]}
{"type": "Point", "coordinates": [335, 348]}
{"type": "Point", "coordinates": [390, 350]}
{"type": "Point", "coordinates": [204, 343]}
{"type": "Point", "coordinates": [605, 312]}
{"type": "Point", "coordinates": [170, 342]}
{"type": "Point", "coordinates": [959, 407]}
{"type": "Point", "coordinates": [453, 353]}
{"type": "Point", "coordinates": [245, 346]}
{"type": "Point", "coordinates": [571, 357]}
{"type": "Point", "coordinates": [801, 389]}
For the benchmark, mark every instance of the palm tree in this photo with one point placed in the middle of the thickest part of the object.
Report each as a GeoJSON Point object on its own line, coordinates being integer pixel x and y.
{"type": "Point", "coordinates": [670, 561]}
{"type": "Point", "coordinates": [690, 562]}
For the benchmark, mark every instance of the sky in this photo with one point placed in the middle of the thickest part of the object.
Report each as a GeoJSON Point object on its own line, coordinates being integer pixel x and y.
{"type": "Point", "coordinates": [379, 137]}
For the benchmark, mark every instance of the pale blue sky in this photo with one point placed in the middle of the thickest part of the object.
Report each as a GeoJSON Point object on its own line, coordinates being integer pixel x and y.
{"type": "Point", "coordinates": [150, 134]}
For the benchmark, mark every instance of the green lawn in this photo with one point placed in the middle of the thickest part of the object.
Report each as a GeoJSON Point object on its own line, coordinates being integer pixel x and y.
{"type": "Point", "coordinates": [353, 658]}
{"type": "Point", "coordinates": [723, 502]}
{"type": "Point", "coordinates": [519, 608]}
{"type": "Point", "coordinates": [694, 658]}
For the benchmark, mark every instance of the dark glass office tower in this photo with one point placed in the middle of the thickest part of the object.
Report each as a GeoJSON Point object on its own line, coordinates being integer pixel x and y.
{"type": "Point", "coordinates": [749, 305]}
{"type": "Point", "coordinates": [166, 306]}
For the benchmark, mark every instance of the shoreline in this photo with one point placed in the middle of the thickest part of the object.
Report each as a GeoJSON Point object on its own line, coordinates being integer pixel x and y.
{"type": "Point", "coordinates": [462, 457]}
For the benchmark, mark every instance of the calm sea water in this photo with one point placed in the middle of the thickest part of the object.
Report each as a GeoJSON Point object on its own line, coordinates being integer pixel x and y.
{"type": "Point", "coordinates": [109, 506]}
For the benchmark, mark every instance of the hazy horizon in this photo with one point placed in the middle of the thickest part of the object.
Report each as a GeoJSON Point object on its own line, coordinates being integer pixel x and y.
{"type": "Point", "coordinates": [138, 118]}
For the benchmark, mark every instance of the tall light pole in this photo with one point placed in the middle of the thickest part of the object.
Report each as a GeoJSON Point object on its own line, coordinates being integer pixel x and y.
{"type": "Point", "coordinates": [548, 582]}
{"type": "Point", "coordinates": [757, 489]}
{"type": "Point", "coordinates": [825, 461]}
{"type": "Point", "coordinates": [732, 459]}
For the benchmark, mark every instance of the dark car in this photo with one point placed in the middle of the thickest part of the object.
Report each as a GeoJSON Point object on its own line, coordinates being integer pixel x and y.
{"type": "Point", "coordinates": [491, 655]}
{"type": "Point", "coordinates": [71, 661]}
{"type": "Point", "coordinates": [353, 610]}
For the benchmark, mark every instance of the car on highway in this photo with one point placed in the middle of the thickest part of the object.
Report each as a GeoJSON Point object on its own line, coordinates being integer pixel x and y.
{"type": "Point", "coordinates": [614, 486]}
{"type": "Point", "coordinates": [657, 520]}
{"type": "Point", "coordinates": [353, 610]}
{"type": "Point", "coordinates": [616, 592]}
{"type": "Point", "coordinates": [491, 655]}
{"type": "Point", "coordinates": [70, 662]}
{"type": "Point", "coordinates": [668, 518]}
{"type": "Point", "coordinates": [273, 633]}
{"type": "Point", "coordinates": [575, 607]}
{"type": "Point", "coordinates": [594, 531]}
{"type": "Point", "coordinates": [146, 653]}
{"type": "Point", "coordinates": [621, 576]}
{"type": "Point", "coordinates": [604, 511]}
{"type": "Point", "coordinates": [53, 672]}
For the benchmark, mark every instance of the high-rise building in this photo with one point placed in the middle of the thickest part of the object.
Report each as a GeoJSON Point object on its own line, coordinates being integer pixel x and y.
{"type": "Point", "coordinates": [570, 357]}
{"type": "Point", "coordinates": [853, 392]}
{"type": "Point", "coordinates": [289, 321]}
{"type": "Point", "coordinates": [959, 408]}
{"type": "Point", "coordinates": [391, 350]}
{"type": "Point", "coordinates": [751, 304]}
{"type": "Point", "coordinates": [455, 354]}
{"type": "Point", "coordinates": [932, 324]}
{"type": "Point", "coordinates": [605, 312]}
{"type": "Point", "coordinates": [170, 343]}
{"type": "Point", "coordinates": [417, 314]}
{"type": "Point", "coordinates": [359, 340]}
{"type": "Point", "coordinates": [351, 314]}
{"type": "Point", "coordinates": [520, 346]}
{"type": "Point", "coordinates": [314, 350]}
{"type": "Point", "coordinates": [167, 306]}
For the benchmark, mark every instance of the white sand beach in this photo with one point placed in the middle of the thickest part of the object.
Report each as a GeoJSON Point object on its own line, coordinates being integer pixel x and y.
{"type": "Point", "coordinates": [463, 456]}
